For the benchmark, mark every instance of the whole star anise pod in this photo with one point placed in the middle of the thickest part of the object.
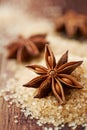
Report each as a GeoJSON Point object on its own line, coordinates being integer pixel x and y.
{"type": "Point", "coordinates": [72, 24]}
{"type": "Point", "coordinates": [24, 49]}
{"type": "Point", "coordinates": [55, 77]}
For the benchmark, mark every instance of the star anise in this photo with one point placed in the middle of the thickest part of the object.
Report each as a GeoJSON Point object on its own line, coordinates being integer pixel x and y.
{"type": "Point", "coordinates": [24, 49]}
{"type": "Point", "coordinates": [39, 40]}
{"type": "Point", "coordinates": [55, 77]}
{"type": "Point", "coordinates": [72, 24]}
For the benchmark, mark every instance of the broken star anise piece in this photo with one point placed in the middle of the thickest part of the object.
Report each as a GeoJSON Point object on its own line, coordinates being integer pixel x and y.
{"type": "Point", "coordinates": [24, 49]}
{"type": "Point", "coordinates": [55, 77]}
{"type": "Point", "coordinates": [72, 23]}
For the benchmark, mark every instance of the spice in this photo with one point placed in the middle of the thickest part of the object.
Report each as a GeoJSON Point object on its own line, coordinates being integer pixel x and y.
{"type": "Point", "coordinates": [25, 49]}
{"type": "Point", "coordinates": [55, 77]}
{"type": "Point", "coordinates": [39, 40]}
{"type": "Point", "coordinates": [72, 24]}
{"type": "Point", "coordinates": [47, 110]}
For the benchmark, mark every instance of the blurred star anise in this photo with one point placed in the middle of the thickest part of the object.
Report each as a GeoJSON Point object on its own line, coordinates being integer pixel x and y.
{"type": "Point", "coordinates": [24, 49]}
{"type": "Point", "coordinates": [55, 77]}
{"type": "Point", "coordinates": [72, 24]}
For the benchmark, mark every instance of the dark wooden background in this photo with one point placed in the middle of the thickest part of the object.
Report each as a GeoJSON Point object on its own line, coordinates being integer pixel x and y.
{"type": "Point", "coordinates": [48, 7]}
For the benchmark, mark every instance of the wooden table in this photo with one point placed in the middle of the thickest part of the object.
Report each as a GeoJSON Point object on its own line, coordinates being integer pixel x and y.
{"type": "Point", "coordinates": [7, 120]}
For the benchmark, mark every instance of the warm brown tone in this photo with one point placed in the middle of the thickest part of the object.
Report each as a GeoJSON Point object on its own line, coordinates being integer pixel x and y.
{"type": "Point", "coordinates": [72, 24]}
{"type": "Point", "coordinates": [7, 119]}
{"type": "Point", "coordinates": [24, 49]}
{"type": "Point", "coordinates": [55, 77]}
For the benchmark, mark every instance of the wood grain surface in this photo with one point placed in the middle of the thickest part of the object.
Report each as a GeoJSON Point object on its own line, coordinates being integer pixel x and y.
{"type": "Point", "coordinates": [7, 120]}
